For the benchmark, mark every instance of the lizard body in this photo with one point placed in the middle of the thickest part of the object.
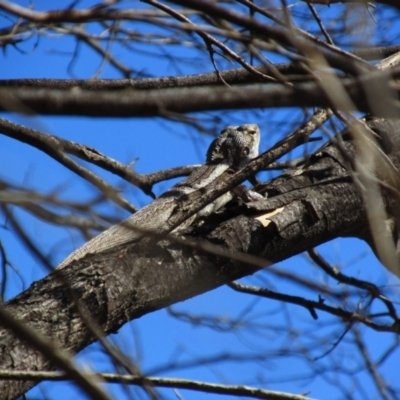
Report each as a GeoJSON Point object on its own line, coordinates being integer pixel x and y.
{"type": "Point", "coordinates": [235, 147]}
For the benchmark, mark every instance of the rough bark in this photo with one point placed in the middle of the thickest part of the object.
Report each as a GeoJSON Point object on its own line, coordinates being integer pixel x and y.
{"type": "Point", "coordinates": [315, 206]}
{"type": "Point", "coordinates": [133, 103]}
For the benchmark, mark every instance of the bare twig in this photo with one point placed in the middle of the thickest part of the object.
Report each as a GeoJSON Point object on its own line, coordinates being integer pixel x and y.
{"type": "Point", "coordinates": [320, 24]}
{"type": "Point", "coordinates": [52, 146]}
{"type": "Point", "coordinates": [311, 306]}
{"type": "Point", "coordinates": [240, 390]}
{"type": "Point", "coordinates": [370, 287]}
{"type": "Point", "coordinates": [210, 40]}
{"type": "Point", "coordinates": [380, 384]}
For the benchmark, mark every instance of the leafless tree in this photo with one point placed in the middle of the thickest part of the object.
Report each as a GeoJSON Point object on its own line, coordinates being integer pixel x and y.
{"type": "Point", "coordinates": [329, 73]}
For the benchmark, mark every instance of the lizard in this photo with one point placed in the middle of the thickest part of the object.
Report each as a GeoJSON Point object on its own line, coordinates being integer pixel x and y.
{"type": "Point", "coordinates": [234, 147]}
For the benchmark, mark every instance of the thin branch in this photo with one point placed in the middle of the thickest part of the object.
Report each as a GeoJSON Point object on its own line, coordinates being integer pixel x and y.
{"type": "Point", "coordinates": [85, 15]}
{"type": "Point", "coordinates": [371, 367]}
{"type": "Point", "coordinates": [311, 306]}
{"type": "Point", "coordinates": [228, 356]}
{"type": "Point", "coordinates": [336, 343]}
{"type": "Point", "coordinates": [25, 239]}
{"type": "Point", "coordinates": [336, 57]}
{"type": "Point", "coordinates": [370, 287]}
{"type": "Point", "coordinates": [393, 3]}
{"type": "Point", "coordinates": [389, 351]}
{"type": "Point", "coordinates": [24, 201]}
{"type": "Point", "coordinates": [81, 34]}
{"type": "Point", "coordinates": [320, 24]}
{"type": "Point", "coordinates": [52, 146]}
{"type": "Point", "coordinates": [210, 40]}
{"type": "Point", "coordinates": [4, 263]}
{"type": "Point", "coordinates": [199, 386]}
{"type": "Point", "coordinates": [42, 141]}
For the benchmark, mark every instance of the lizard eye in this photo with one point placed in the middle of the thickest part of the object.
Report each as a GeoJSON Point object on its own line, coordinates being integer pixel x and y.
{"type": "Point", "coordinates": [246, 151]}
{"type": "Point", "coordinates": [252, 131]}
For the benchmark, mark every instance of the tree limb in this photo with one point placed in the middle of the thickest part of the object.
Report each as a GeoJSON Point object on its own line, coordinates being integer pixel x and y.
{"type": "Point", "coordinates": [128, 282]}
{"type": "Point", "coordinates": [131, 103]}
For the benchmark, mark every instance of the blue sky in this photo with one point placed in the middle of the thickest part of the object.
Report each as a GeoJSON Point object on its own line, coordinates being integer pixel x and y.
{"type": "Point", "coordinates": [157, 338]}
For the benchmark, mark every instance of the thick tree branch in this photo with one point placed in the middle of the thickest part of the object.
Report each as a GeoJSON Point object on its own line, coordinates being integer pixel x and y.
{"type": "Point", "coordinates": [135, 279]}
{"type": "Point", "coordinates": [348, 188]}
{"type": "Point", "coordinates": [131, 103]}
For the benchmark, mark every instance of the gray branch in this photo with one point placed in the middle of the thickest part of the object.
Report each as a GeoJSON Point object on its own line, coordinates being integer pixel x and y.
{"type": "Point", "coordinates": [236, 76]}
{"type": "Point", "coordinates": [164, 102]}
{"type": "Point", "coordinates": [129, 281]}
{"type": "Point", "coordinates": [55, 147]}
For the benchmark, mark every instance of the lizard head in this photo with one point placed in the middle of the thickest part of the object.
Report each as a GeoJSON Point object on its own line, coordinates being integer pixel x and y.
{"type": "Point", "coordinates": [236, 145]}
{"type": "Point", "coordinates": [244, 144]}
